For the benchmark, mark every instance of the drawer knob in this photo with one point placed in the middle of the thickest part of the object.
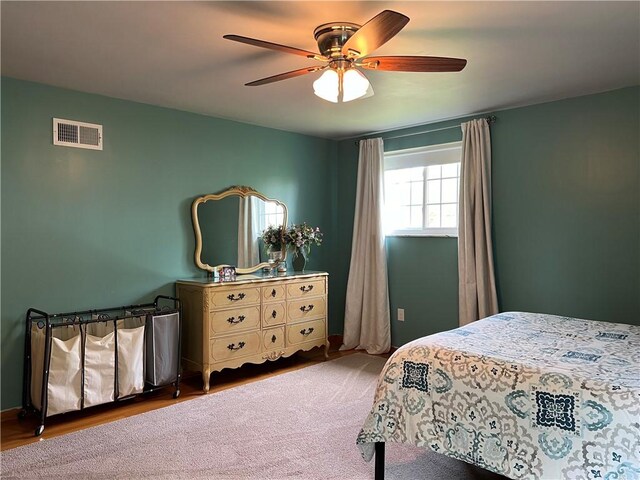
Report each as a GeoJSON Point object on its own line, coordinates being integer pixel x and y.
{"type": "Point", "coordinates": [306, 288]}
{"type": "Point", "coordinates": [306, 331]}
{"type": "Point", "coordinates": [274, 314]}
{"type": "Point", "coordinates": [233, 297]}
{"type": "Point", "coordinates": [273, 293]}
{"type": "Point", "coordinates": [273, 339]}
{"type": "Point", "coordinates": [233, 348]}
{"type": "Point", "coordinates": [233, 321]}
{"type": "Point", "coordinates": [306, 308]}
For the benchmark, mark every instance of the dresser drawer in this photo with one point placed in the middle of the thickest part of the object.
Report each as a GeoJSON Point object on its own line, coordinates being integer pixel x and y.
{"type": "Point", "coordinates": [233, 320]}
{"type": "Point", "coordinates": [273, 339]}
{"type": "Point", "coordinates": [312, 288]}
{"type": "Point", "coordinates": [234, 346]}
{"type": "Point", "coordinates": [234, 297]}
{"type": "Point", "coordinates": [275, 293]}
{"type": "Point", "coordinates": [273, 314]}
{"type": "Point", "coordinates": [298, 310]}
{"type": "Point", "coordinates": [306, 332]}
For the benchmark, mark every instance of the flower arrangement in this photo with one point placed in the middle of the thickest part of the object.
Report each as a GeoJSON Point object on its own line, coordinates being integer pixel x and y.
{"type": "Point", "coordinates": [272, 237]}
{"type": "Point", "coordinates": [300, 237]}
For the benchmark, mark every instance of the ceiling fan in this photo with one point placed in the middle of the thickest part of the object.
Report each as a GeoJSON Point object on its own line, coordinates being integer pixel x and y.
{"type": "Point", "coordinates": [344, 49]}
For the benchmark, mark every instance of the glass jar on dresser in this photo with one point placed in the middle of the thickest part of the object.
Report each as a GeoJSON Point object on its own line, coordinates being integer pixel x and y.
{"type": "Point", "coordinates": [251, 319]}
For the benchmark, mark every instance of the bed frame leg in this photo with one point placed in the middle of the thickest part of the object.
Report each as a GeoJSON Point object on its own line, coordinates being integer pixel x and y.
{"type": "Point", "coordinates": [379, 471]}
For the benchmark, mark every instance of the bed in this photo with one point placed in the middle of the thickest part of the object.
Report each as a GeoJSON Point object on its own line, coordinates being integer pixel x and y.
{"type": "Point", "coordinates": [524, 395]}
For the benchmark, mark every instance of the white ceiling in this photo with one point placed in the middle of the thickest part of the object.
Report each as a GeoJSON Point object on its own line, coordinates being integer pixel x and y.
{"type": "Point", "coordinates": [172, 54]}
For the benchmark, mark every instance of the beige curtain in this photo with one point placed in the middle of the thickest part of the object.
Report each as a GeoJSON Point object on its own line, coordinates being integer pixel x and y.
{"type": "Point", "coordinates": [248, 232]}
{"type": "Point", "coordinates": [477, 289]}
{"type": "Point", "coordinates": [366, 317]}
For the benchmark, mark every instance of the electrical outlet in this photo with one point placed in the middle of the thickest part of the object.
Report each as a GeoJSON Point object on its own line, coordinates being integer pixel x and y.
{"type": "Point", "coordinates": [401, 314]}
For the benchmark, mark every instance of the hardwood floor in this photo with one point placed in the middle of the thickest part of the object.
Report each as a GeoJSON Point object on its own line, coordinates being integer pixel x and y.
{"type": "Point", "coordinates": [15, 432]}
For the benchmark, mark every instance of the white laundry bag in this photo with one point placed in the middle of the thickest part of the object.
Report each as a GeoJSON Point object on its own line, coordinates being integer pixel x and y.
{"type": "Point", "coordinates": [130, 361]}
{"type": "Point", "coordinates": [99, 368]}
{"type": "Point", "coordinates": [65, 369]}
{"type": "Point", "coordinates": [100, 329]}
{"type": "Point", "coordinates": [65, 332]}
{"type": "Point", "coordinates": [136, 318]}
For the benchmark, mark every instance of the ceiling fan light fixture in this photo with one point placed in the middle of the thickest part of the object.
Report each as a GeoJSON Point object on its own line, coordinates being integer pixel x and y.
{"type": "Point", "coordinates": [354, 85]}
{"type": "Point", "coordinates": [338, 85]}
{"type": "Point", "coordinates": [346, 47]}
{"type": "Point", "coordinates": [327, 86]}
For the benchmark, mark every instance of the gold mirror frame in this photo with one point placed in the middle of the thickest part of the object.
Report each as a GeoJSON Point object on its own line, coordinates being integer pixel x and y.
{"type": "Point", "coordinates": [240, 191]}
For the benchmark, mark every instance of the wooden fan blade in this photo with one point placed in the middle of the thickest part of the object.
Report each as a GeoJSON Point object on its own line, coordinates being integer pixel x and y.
{"type": "Point", "coordinates": [285, 76]}
{"type": "Point", "coordinates": [376, 32]}
{"type": "Point", "coordinates": [413, 64]}
{"type": "Point", "coordinates": [274, 46]}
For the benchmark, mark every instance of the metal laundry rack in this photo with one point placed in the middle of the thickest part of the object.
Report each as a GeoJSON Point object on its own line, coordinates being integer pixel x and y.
{"type": "Point", "coordinates": [116, 316]}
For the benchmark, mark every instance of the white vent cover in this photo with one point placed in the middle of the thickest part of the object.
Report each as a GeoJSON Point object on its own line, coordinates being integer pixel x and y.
{"type": "Point", "coordinates": [70, 133]}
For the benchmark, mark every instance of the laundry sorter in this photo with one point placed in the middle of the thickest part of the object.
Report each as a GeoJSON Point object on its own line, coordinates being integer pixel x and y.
{"type": "Point", "coordinates": [77, 360]}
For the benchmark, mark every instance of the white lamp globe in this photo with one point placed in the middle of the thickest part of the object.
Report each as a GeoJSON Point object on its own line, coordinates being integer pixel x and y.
{"type": "Point", "coordinates": [354, 85]}
{"type": "Point", "coordinates": [327, 86]}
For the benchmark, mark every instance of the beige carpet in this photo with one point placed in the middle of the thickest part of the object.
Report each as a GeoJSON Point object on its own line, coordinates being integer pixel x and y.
{"type": "Point", "coordinates": [298, 425]}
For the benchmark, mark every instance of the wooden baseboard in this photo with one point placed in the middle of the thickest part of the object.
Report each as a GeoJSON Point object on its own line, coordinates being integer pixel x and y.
{"type": "Point", "coordinates": [10, 413]}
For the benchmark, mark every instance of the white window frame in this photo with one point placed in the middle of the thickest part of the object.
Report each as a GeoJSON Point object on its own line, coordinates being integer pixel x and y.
{"type": "Point", "coordinates": [276, 216]}
{"type": "Point", "coordinates": [439, 154]}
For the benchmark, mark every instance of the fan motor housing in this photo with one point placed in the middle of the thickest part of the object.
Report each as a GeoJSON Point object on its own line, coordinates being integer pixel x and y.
{"type": "Point", "coordinates": [332, 36]}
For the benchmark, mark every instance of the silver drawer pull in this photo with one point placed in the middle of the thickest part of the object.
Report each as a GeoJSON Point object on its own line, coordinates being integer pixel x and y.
{"type": "Point", "coordinates": [273, 293]}
{"type": "Point", "coordinates": [306, 331]}
{"type": "Point", "coordinates": [233, 321]}
{"type": "Point", "coordinates": [306, 309]}
{"type": "Point", "coordinates": [233, 348]}
{"type": "Point", "coordinates": [305, 289]}
{"type": "Point", "coordinates": [274, 314]}
{"type": "Point", "coordinates": [233, 297]}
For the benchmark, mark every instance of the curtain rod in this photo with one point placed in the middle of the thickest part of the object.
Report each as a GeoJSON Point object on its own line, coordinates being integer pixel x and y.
{"type": "Point", "coordinates": [490, 119]}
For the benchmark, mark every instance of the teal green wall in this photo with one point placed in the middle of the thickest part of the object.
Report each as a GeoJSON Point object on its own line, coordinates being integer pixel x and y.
{"type": "Point", "coordinates": [85, 229]}
{"type": "Point", "coordinates": [82, 229]}
{"type": "Point", "coordinates": [566, 217]}
{"type": "Point", "coordinates": [566, 203]}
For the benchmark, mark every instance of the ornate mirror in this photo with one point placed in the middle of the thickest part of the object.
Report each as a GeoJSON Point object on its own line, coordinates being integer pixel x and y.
{"type": "Point", "coordinates": [228, 228]}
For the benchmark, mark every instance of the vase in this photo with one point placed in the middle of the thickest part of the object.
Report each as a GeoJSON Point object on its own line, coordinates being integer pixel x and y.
{"type": "Point", "coordinates": [274, 260]}
{"type": "Point", "coordinates": [299, 262]}
{"type": "Point", "coordinates": [275, 255]}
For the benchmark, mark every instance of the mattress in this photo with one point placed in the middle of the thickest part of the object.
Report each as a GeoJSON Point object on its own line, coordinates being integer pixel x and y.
{"type": "Point", "coordinates": [521, 394]}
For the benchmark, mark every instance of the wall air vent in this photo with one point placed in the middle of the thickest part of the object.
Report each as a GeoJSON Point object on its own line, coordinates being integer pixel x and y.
{"type": "Point", "coordinates": [70, 133]}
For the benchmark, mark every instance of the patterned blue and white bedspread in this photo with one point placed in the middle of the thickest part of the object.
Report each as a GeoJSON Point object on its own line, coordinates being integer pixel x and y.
{"type": "Point", "coordinates": [522, 394]}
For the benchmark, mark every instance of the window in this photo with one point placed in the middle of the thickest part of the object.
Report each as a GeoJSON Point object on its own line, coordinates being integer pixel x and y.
{"type": "Point", "coordinates": [421, 190]}
{"type": "Point", "coordinates": [272, 214]}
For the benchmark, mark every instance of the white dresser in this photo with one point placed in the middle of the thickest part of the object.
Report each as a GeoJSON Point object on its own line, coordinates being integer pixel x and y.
{"type": "Point", "coordinates": [251, 319]}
